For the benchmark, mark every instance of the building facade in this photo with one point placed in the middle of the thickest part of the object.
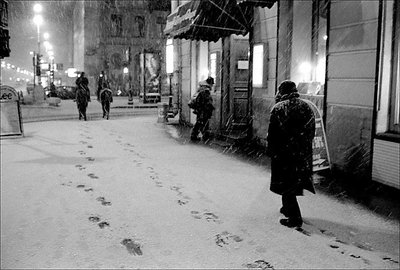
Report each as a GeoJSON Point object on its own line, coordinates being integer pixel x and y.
{"type": "Point", "coordinates": [123, 38]}
{"type": "Point", "coordinates": [343, 56]}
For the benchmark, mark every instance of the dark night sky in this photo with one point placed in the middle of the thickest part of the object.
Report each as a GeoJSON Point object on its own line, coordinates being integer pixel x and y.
{"type": "Point", "coordinates": [58, 23]}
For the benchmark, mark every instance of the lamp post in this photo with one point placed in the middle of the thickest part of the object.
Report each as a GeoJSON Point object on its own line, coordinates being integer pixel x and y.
{"type": "Point", "coordinates": [38, 20]}
{"type": "Point", "coordinates": [127, 83]}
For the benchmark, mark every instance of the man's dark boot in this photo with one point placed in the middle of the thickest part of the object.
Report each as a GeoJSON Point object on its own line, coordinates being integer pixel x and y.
{"type": "Point", "coordinates": [284, 212]}
{"type": "Point", "coordinates": [291, 222]}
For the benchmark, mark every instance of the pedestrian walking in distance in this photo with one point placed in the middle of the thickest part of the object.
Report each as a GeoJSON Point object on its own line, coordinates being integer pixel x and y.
{"type": "Point", "coordinates": [106, 98]}
{"type": "Point", "coordinates": [202, 105]}
{"type": "Point", "coordinates": [82, 96]}
{"type": "Point", "coordinates": [290, 134]}
{"type": "Point", "coordinates": [102, 82]}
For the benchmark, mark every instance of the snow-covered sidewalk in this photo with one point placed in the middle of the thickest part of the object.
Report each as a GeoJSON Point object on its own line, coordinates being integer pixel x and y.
{"type": "Point", "coordinates": [124, 194]}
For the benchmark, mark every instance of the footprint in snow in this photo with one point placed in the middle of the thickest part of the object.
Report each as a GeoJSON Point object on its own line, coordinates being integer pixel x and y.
{"type": "Point", "coordinates": [208, 216]}
{"type": "Point", "coordinates": [103, 201]}
{"type": "Point", "coordinates": [390, 260]}
{"type": "Point", "coordinates": [93, 176]}
{"type": "Point", "coordinates": [132, 246]}
{"type": "Point", "coordinates": [225, 238]}
{"type": "Point", "coordinates": [67, 184]}
{"type": "Point", "coordinates": [103, 224]}
{"type": "Point", "coordinates": [94, 219]}
{"type": "Point", "coordinates": [259, 264]}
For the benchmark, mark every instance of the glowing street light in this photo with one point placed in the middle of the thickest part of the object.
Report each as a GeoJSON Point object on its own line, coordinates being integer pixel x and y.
{"type": "Point", "coordinates": [46, 45]}
{"type": "Point", "coordinates": [38, 19]}
{"type": "Point", "coordinates": [37, 8]}
{"type": "Point", "coordinates": [46, 36]}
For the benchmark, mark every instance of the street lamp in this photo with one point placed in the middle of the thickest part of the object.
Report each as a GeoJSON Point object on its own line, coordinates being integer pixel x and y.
{"type": "Point", "coordinates": [37, 8]}
{"type": "Point", "coordinates": [38, 20]}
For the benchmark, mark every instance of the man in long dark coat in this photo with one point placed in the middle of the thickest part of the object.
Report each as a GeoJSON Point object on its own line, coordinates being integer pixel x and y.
{"type": "Point", "coordinates": [203, 107]}
{"type": "Point", "coordinates": [290, 135]}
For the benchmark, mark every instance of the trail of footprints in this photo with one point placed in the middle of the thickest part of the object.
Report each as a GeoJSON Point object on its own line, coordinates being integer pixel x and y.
{"type": "Point", "coordinates": [133, 246]}
{"type": "Point", "coordinates": [222, 239]}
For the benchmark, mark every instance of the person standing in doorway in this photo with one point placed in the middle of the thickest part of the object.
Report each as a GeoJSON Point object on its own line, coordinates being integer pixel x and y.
{"type": "Point", "coordinates": [290, 135]}
{"type": "Point", "coordinates": [203, 107]}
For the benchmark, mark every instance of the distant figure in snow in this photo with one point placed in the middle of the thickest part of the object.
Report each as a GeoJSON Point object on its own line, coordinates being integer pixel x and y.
{"type": "Point", "coordinates": [290, 135]}
{"type": "Point", "coordinates": [106, 98]}
{"type": "Point", "coordinates": [82, 96]}
{"type": "Point", "coordinates": [202, 105]}
{"type": "Point", "coordinates": [102, 82]}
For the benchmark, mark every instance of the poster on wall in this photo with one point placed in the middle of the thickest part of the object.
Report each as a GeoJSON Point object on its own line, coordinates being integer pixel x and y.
{"type": "Point", "coordinates": [152, 78]}
{"type": "Point", "coordinates": [11, 122]}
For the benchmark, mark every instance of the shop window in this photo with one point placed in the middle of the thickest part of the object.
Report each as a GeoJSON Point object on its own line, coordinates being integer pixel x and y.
{"type": "Point", "coordinates": [258, 65]}
{"type": "Point", "coordinates": [388, 107]}
{"type": "Point", "coordinates": [116, 25]}
{"type": "Point", "coordinates": [309, 40]}
{"type": "Point", "coordinates": [215, 68]}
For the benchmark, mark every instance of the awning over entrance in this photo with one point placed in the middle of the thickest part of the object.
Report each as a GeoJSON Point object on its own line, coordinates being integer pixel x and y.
{"type": "Point", "coordinates": [206, 20]}
{"type": "Point", "coordinates": [256, 3]}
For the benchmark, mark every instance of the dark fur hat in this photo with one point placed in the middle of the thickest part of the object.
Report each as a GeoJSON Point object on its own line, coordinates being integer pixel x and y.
{"type": "Point", "coordinates": [287, 87]}
{"type": "Point", "coordinates": [210, 80]}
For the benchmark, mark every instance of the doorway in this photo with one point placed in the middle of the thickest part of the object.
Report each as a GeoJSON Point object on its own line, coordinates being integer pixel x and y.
{"type": "Point", "coordinates": [239, 74]}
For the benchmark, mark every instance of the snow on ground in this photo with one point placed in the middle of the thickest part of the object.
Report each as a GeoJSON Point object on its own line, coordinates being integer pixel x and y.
{"type": "Point", "coordinates": [124, 194]}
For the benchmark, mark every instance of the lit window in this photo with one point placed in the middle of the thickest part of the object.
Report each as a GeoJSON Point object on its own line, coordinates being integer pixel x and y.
{"type": "Point", "coordinates": [213, 65]}
{"type": "Point", "coordinates": [170, 56]}
{"type": "Point", "coordinates": [308, 47]}
{"type": "Point", "coordinates": [258, 64]}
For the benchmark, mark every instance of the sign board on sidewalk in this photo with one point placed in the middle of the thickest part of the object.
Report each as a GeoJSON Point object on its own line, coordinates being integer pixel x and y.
{"type": "Point", "coordinates": [11, 121]}
{"type": "Point", "coordinates": [321, 160]}
{"type": "Point", "coordinates": [320, 150]}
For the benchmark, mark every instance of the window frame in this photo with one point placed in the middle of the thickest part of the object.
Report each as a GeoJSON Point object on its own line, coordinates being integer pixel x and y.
{"type": "Point", "coordinates": [394, 92]}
